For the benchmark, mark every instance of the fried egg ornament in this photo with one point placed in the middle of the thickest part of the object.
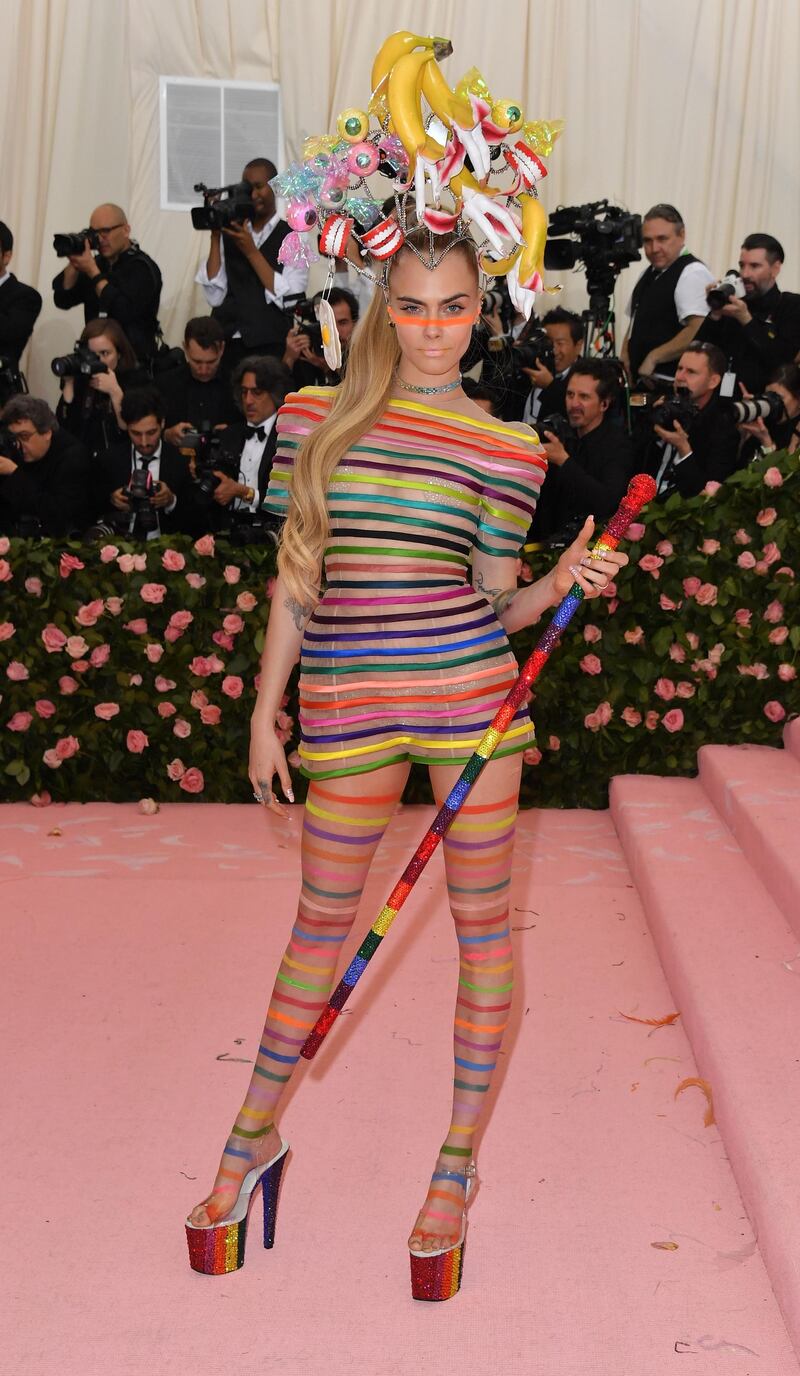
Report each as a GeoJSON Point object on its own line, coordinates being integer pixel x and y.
{"type": "Point", "coordinates": [331, 343]}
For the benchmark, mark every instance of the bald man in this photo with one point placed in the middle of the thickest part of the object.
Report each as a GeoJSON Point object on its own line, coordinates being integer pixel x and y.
{"type": "Point", "coordinates": [120, 281]}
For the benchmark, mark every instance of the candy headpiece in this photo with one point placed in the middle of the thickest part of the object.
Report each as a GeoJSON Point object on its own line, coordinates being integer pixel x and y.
{"type": "Point", "coordinates": [446, 153]}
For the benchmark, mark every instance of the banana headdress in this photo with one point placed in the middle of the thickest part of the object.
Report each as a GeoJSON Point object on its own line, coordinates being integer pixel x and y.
{"type": "Point", "coordinates": [459, 163]}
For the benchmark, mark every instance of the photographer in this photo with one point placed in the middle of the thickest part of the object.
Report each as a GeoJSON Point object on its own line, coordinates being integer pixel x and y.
{"type": "Point", "coordinates": [696, 440]}
{"type": "Point", "coordinates": [591, 460]}
{"type": "Point", "coordinates": [244, 283]}
{"type": "Point", "coordinates": [143, 486]}
{"type": "Point", "coordinates": [198, 391]}
{"type": "Point", "coordinates": [93, 382]}
{"type": "Point", "coordinates": [505, 344]}
{"type": "Point", "coordinates": [781, 430]}
{"type": "Point", "coordinates": [19, 306]}
{"type": "Point", "coordinates": [120, 282]}
{"type": "Point", "coordinates": [759, 330]}
{"type": "Point", "coordinates": [246, 448]}
{"type": "Point", "coordinates": [303, 356]}
{"type": "Point", "coordinates": [548, 395]}
{"type": "Point", "coordinates": [668, 302]}
{"type": "Point", "coordinates": [44, 473]}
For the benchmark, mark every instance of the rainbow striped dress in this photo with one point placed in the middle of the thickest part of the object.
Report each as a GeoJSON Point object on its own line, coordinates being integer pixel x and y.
{"type": "Point", "coordinates": [403, 659]}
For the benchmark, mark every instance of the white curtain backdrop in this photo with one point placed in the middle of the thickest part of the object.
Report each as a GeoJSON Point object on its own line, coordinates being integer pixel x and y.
{"type": "Point", "coordinates": [696, 102]}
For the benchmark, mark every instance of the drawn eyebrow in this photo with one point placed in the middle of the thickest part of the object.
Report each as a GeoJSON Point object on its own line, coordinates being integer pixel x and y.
{"type": "Point", "coordinates": [414, 301]}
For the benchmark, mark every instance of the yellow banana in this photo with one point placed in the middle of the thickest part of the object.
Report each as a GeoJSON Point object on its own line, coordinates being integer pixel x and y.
{"type": "Point", "coordinates": [498, 267]}
{"type": "Point", "coordinates": [403, 99]}
{"type": "Point", "coordinates": [534, 233]}
{"type": "Point", "coordinates": [465, 179]}
{"type": "Point", "coordinates": [450, 108]}
{"type": "Point", "coordinates": [397, 45]}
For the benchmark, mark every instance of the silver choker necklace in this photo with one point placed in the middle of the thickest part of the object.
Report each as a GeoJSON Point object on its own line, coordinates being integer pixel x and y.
{"type": "Point", "coordinates": [429, 391]}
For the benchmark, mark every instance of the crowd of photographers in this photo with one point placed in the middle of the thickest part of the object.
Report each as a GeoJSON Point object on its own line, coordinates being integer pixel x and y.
{"type": "Point", "coordinates": [149, 440]}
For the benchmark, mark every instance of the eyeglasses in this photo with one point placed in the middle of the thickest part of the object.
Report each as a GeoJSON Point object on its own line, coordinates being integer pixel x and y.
{"type": "Point", "coordinates": [24, 436]}
{"type": "Point", "coordinates": [106, 229]}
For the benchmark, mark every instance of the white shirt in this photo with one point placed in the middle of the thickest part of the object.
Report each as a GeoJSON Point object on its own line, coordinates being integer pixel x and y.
{"type": "Point", "coordinates": [533, 401]}
{"type": "Point", "coordinates": [250, 462]}
{"type": "Point", "coordinates": [153, 466]}
{"type": "Point", "coordinates": [290, 282]}
{"type": "Point", "coordinates": [690, 291]}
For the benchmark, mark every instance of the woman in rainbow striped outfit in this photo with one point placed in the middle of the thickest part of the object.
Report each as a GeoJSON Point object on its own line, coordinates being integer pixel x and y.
{"type": "Point", "coordinates": [409, 504]}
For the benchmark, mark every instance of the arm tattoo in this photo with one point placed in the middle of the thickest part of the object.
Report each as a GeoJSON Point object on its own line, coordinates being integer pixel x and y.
{"type": "Point", "coordinates": [298, 611]}
{"type": "Point", "coordinates": [499, 598]}
{"type": "Point", "coordinates": [480, 584]}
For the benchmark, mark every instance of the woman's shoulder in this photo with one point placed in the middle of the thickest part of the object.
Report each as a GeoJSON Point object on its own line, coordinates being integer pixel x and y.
{"type": "Point", "coordinates": [305, 407]}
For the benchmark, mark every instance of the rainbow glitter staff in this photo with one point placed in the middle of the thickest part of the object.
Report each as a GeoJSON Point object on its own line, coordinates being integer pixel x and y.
{"type": "Point", "coordinates": [641, 490]}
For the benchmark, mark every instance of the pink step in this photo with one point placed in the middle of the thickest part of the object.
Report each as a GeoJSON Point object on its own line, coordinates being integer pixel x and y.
{"type": "Point", "coordinates": [791, 736]}
{"type": "Point", "coordinates": [727, 952]}
{"type": "Point", "coordinates": [756, 791]}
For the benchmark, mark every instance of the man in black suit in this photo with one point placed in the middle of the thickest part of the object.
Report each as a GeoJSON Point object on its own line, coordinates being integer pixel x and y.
{"type": "Point", "coordinates": [759, 331]}
{"type": "Point", "coordinates": [685, 458]}
{"type": "Point", "coordinates": [198, 391]}
{"type": "Point", "coordinates": [247, 287]}
{"type": "Point", "coordinates": [44, 482]}
{"type": "Point", "coordinates": [247, 447]}
{"type": "Point", "coordinates": [19, 306]}
{"type": "Point", "coordinates": [147, 465]}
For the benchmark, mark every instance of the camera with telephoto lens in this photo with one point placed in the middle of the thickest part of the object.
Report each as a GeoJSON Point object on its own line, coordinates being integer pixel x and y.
{"type": "Point", "coordinates": [139, 491]}
{"type": "Point", "coordinates": [536, 350]}
{"type": "Point", "coordinates": [498, 301]}
{"type": "Point", "coordinates": [676, 410]}
{"type": "Point", "coordinates": [206, 446]}
{"type": "Point", "coordinates": [10, 447]}
{"type": "Point", "coordinates": [305, 321]}
{"type": "Point", "coordinates": [222, 205]}
{"type": "Point", "coordinates": [68, 245]}
{"type": "Point", "coordinates": [727, 290]}
{"type": "Point", "coordinates": [557, 425]}
{"type": "Point", "coordinates": [769, 407]}
{"type": "Point", "coordinates": [605, 238]}
{"type": "Point", "coordinates": [84, 362]}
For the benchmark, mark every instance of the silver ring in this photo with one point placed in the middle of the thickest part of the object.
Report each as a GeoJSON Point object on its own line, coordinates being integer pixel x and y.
{"type": "Point", "coordinates": [258, 797]}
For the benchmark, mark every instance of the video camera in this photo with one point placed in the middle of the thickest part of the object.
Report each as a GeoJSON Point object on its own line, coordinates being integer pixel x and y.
{"type": "Point", "coordinates": [65, 245]}
{"type": "Point", "coordinates": [84, 362]}
{"type": "Point", "coordinates": [222, 205]}
{"type": "Point", "coordinates": [605, 238]}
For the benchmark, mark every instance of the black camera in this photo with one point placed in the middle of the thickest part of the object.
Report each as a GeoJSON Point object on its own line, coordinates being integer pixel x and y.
{"type": "Point", "coordinates": [10, 447]}
{"type": "Point", "coordinates": [557, 425]}
{"type": "Point", "coordinates": [65, 245]}
{"type": "Point", "coordinates": [12, 382]}
{"type": "Point", "coordinates": [676, 410]}
{"type": "Point", "coordinates": [537, 346]}
{"type": "Point", "coordinates": [305, 320]}
{"type": "Point", "coordinates": [768, 407]}
{"type": "Point", "coordinates": [206, 446]}
{"type": "Point", "coordinates": [222, 205]}
{"type": "Point", "coordinates": [84, 362]}
{"type": "Point", "coordinates": [605, 238]}
{"type": "Point", "coordinates": [254, 528]}
{"type": "Point", "coordinates": [498, 300]}
{"type": "Point", "coordinates": [139, 491]}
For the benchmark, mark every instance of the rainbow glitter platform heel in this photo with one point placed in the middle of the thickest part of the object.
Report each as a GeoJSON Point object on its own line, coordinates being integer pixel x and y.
{"type": "Point", "coordinates": [219, 1248]}
{"type": "Point", "coordinates": [437, 1275]}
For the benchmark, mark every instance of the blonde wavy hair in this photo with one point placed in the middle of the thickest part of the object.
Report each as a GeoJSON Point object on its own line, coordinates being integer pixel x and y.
{"type": "Point", "coordinates": [358, 402]}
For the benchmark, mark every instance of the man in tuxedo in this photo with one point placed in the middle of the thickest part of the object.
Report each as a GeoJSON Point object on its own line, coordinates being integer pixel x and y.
{"type": "Point", "coordinates": [19, 308]}
{"type": "Point", "coordinates": [44, 474]}
{"type": "Point", "coordinates": [146, 464]}
{"type": "Point", "coordinates": [247, 447]}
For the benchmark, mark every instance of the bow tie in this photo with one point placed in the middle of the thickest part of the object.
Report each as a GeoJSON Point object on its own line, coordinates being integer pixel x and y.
{"type": "Point", "coordinates": [254, 432]}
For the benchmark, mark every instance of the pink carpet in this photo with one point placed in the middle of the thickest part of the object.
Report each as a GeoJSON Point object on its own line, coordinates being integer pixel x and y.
{"type": "Point", "coordinates": [608, 1236]}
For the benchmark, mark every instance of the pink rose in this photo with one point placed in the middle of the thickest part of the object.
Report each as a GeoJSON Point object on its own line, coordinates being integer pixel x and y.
{"type": "Point", "coordinates": [210, 715]}
{"type": "Point", "coordinates": [773, 478]}
{"type": "Point", "coordinates": [742, 616]}
{"type": "Point", "coordinates": [135, 680]}
{"type": "Point", "coordinates": [634, 637]}
{"type": "Point", "coordinates": [20, 721]}
{"type": "Point", "coordinates": [164, 685]}
{"type": "Point", "coordinates": [51, 759]}
{"type": "Point", "coordinates": [774, 711]}
{"type": "Point", "coordinates": [716, 652]}
{"type": "Point", "coordinates": [198, 699]}
{"type": "Point", "coordinates": [651, 563]}
{"type": "Point", "coordinates": [17, 672]}
{"type": "Point", "coordinates": [76, 647]}
{"type": "Point", "coordinates": [233, 624]}
{"type": "Point", "coordinates": [166, 709]}
{"type": "Point", "coordinates": [758, 671]}
{"type": "Point", "coordinates": [100, 655]}
{"type": "Point", "coordinates": [246, 601]}
{"type": "Point", "coordinates": [665, 548]}
{"type": "Point", "coordinates": [293, 760]}
{"type": "Point", "coordinates": [205, 545]}
{"type": "Point", "coordinates": [666, 603]}
{"type": "Point", "coordinates": [785, 571]}
{"type": "Point", "coordinates": [673, 720]}
{"type": "Point", "coordinates": [106, 710]}
{"type": "Point", "coordinates": [770, 553]}
{"type": "Point", "coordinates": [631, 717]}
{"type": "Point", "coordinates": [711, 489]}
{"type": "Point", "coordinates": [741, 537]}
{"type": "Point", "coordinates": [149, 807]}
{"type": "Point", "coordinates": [136, 627]}
{"type": "Point", "coordinates": [176, 770]}
{"type": "Point", "coordinates": [153, 592]}
{"type": "Point", "coordinates": [7, 629]}
{"type": "Point", "coordinates": [691, 586]}
{"type": "Point", "coordinates": [80, 666]}
{"type": "Point", "coordinates": [68, 564]}
{"type": "Point", "coordinates": [531, 755]}
{"type": "Point", "coordinates": [604, 712]}
{"type": "Point", "coordinates": [154, 652]}
{"type": "Point", "coordinates": [774, 612]}
{"type": "Point", "coordinates": [172, 634]}
{"type": "Point", "coordinates": [786, 673]}
{"type": "Point", "coordinates": [107, 553]}
{"type": "Point", "coordinates": [181, 620]}
{"type": "Point", "coordinates": [283, 721]}
{"type": "Point", "coordinates": [609, 591]}
{"type": "Point", "coordinates": [68, 685]}
{"type": "Point", "coordinates": [767, 516]}
{"type": "Point", "coordinates": [762, 567]}
{"type": "Point", "coordinates": [707, 595]}
{"type": "Point", "coordinates": [746, 560]}
{"type": "Point", "coordinates": [231, 573]}
{"type": "Point", "coordinates": [195, 580]}
{"type": "Point", "coordinates": [182, 729]}
{"type": "Point", "coordinates": [553, 743]}
{"type": "Point", "coordinates": [677, 653]}
{"type": "Point", "coordinates": [778, 635]}
{"type": "Point", "coordinates": [53, 639]}
{"type": "Point", "coordinates": [5, 571]}
{"type": "Point", "coordinates": [42, 799]}
{"type": "Point", "coordinates": [200, 666]}
{"type": "Point", "coordinates": [45, 708]}
{"type": "Point", "coordinates": [173, 561]}
{"type": "Point", "coordinates": [5, 544]}
{"type": "Point", "coordinates": [685, 689]}
{"type": "Point", "coordinates": [192, 781]}
{"type": "Point", "coordinates": [224, 641]}
{"type": "Point", "coordinates": [114, 605]}
{"type": "Point", "coordinates": [136, 742]}
{"type": "Point", "coordinates": [710, 547]}
{"type": "Point", "coordinates": [67, 746]}
{"type": "Point", "coordinates": [665, 689]}
{"type": "Point", "coordinates": [693, 639]}
{"type": "Point", "coordinates": [591, 634]}
{"type": "Point", "coordinates": [590, 664]}
{"type": "Point", "coordinates": [90, 613]}
{"type": "Point", "coordinates": [636, 530]}
{"type": "Point", "coordinates": [591, 721]}
{"type": "Point", "coordinates": [125, 563]}
{"type": "Point", "coordinates": [651, 720]}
